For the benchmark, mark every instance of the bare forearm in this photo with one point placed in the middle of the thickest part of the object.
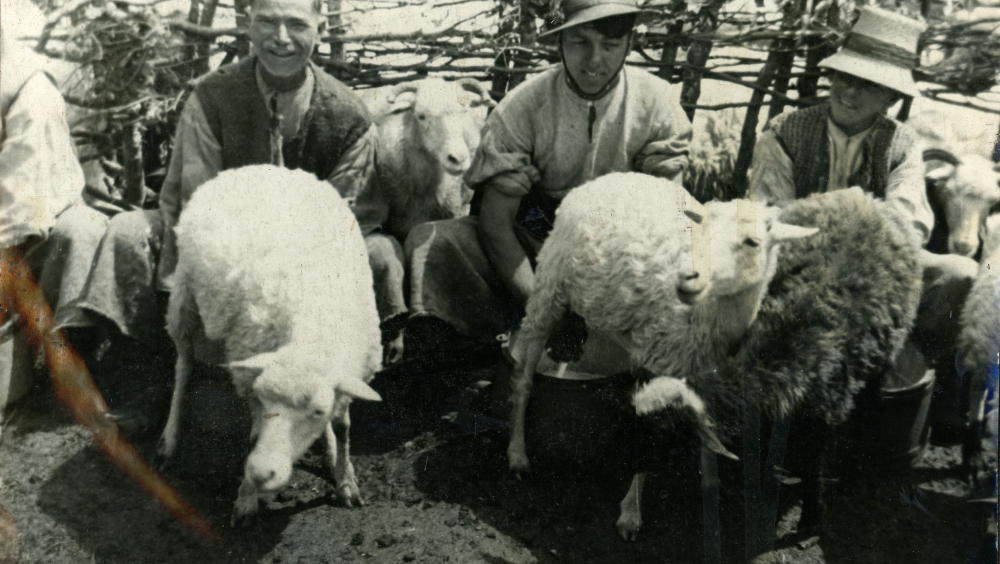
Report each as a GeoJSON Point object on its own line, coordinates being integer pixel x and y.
{"type": "Point", "coordinates": [496, 235]}
{"type": "Point", "coordinates": [511, 263]}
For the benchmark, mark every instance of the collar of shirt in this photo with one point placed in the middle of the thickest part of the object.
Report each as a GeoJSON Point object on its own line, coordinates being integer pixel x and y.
{"type": "Point", "coordinates": [845, 154]}
{"type": "Point", "coordinates": [292, 105]}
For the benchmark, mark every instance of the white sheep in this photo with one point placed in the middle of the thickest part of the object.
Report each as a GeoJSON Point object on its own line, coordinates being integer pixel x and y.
{"type": "Point", "coordinates": [629, 253]}
{"type": "Point", "coordinates": [272, 264]}
{"type": "Point", "coordinates": [835, 314]}
{"type": "Point", "coordinates": [428, 132]}
{"type": "Point", "coordinates": [961, 187]}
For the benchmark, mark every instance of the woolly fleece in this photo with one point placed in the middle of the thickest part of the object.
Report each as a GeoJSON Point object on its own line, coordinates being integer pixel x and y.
{"type": "Point", "coordinates": [275, 258]}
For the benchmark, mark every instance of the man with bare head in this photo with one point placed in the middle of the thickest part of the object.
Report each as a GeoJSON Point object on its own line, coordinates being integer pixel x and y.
{"type": "Point", "coordinates": [276, 107]}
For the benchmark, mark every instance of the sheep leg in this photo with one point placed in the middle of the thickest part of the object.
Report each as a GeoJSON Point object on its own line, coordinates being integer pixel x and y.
{"type": "Point", "coordinates": [339, 456]}
{"type": "Point", "coordinates": [167, 447]}
{"type": "Point", "coordinates": [811, 521]}
{"type": "Point", "coordinates": [245, 508]}
{"type": "Point", "coordinates": [630, 519]}
{"type": "Point", "coordinates": [521, 389]}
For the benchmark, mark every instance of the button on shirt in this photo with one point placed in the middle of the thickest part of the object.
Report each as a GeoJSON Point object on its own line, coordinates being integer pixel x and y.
{"type": "Point", "coordinates": [292, 104]}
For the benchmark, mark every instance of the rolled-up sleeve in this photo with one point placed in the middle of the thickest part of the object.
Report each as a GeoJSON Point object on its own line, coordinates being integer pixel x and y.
{"type": "Point", "coordinates": [355, 170]}
{"type": "Point", "coordinates": [666, 153]}
{"type": "Point", "coordinates": [503, 160]}
{"type": "Point", "coordinates": [906, 192]}
{"type": "Point", "coordinates": [196, 159]}
{"type": "Point", "coordinates": [771, 177]}
{"type": "Point", "coordinates": [39, 173]}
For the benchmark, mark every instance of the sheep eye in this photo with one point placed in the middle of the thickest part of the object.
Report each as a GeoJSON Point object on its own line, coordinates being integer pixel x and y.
{"type": "Point", "coordinates": [421, 117]}
{"type": "Point", "coordinates": [750, 242]}
{"type": "Point", "coordinates": [318, 413]}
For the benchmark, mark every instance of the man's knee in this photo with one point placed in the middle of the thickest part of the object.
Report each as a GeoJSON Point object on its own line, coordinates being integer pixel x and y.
{"type": "Point", "coordinates": [80, 224]}
{"type": "Point", "coordinates": [143, 228]}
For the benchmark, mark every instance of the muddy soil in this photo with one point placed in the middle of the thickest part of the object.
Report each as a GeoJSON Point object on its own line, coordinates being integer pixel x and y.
{"type": "Point", "coordinates": [432, 469]}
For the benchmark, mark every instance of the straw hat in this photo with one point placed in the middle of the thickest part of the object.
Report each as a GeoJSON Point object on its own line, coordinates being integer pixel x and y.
{"type": "Point", "coordinates": [583, 11]}
{"type": "Point", "coordinates": [882, 48]}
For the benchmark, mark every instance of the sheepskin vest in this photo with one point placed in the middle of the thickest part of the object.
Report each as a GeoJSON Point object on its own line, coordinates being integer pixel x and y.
{"type": "Point", "coordinates": [803, 135]}
{"type": "Point", "coordinates": [238, 115]}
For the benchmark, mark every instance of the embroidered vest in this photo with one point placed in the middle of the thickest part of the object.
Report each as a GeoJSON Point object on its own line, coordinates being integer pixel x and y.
{"type": "Point", "coordinates": [239, 118]}
{"type": "Point", "coordinates": [803, 135]}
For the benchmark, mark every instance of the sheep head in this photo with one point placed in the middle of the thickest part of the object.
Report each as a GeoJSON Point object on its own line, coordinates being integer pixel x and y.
{"type": "Point", "coordinates": [295, 399]}
{"type": "Point", "coordinates": [734, 256]}
{"type": "Point", "coordinates": [967, 188]}
{"type": "Point", "coordinates": [445, 117]}
{"type": "Point", "coordinates": [664, 394]}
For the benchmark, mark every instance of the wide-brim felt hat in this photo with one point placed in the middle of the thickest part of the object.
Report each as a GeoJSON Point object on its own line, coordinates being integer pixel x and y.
{"type": "Point", "coordinates": [881, 48]}
{"type": "Point", "coordinates": [583, 11]}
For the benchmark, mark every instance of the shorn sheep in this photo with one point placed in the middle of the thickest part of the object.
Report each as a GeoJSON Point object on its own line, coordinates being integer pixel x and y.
{"type": "Point", "coordinates": [272, 264]}
{"type": "Point", "coordinates": [428, 132]}
{"type": "Point", "coordinates": [633, 256]}
{"type": "Point", "coordinates": [833, 319]}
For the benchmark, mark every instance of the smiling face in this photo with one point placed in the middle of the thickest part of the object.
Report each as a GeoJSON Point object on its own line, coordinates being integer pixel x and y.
{"type": "Point", "coordinates": [591, 58]}
{"type": "Point", "coordinates": [284, 34]}
{"type": "Point", "coordinates": [854, 102]}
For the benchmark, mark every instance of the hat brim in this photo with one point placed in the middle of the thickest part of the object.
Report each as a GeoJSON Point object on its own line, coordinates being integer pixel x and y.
{"type": "Point", "coordinates": [593, 13]}
{"type": "Point", "coordinates": [879, 72]}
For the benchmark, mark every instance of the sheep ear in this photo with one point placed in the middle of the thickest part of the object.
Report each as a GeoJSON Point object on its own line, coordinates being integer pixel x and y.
{"type": "Point", "coordinates": [258, 361]}
{"type": "Point", "coordinates": [358, 389]}
{"type": "Point", "coordinates": [711, 441]}
{"type": "Point", "coordinates": [781, 232]}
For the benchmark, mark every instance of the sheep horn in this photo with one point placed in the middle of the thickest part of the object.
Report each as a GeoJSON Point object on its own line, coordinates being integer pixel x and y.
{"type": "Point", "coordinates": [471, 85]}
{"type": "Point", "coordinates": [400, 89]}
{"type": "Point", "coordinates": [941, 155]}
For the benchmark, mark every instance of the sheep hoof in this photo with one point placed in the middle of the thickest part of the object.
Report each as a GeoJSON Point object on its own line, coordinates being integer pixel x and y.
{"type": "Point", "coordinates": [165, 450]}
{"type": "Point", "coordinates": [628, 526]}
{"type": "Point", "coordinates": [244, 512]}
{"type": "Point", "coordinates": [519, 464]}
{"type": "Point", "coordinates": [349, 495]}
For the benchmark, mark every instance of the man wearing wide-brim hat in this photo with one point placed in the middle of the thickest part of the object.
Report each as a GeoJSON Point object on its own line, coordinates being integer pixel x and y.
{"type": "Point", "coordinates": [850, 142]}
{"type": "Point", "coordinates": [588, 117]}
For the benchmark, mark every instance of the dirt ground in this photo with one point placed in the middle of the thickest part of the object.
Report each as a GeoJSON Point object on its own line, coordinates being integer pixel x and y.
{"type": "Point", "coordinates": [431, 464]}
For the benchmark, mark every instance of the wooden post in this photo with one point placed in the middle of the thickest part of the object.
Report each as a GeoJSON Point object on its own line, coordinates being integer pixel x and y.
{"type": "Point", "coordinates": [130, 148]}
{"type": "Point", "coordinates": [334, 20]}
{"type": "Point", "coordinates": [781, 78]}
{"type": "Point", "coordinates": [242, 8]}
{"type": "Point", "coordinates": [748, 136]}
{"type": "Point", "coordinates": [697, 57]}
{"type": "Point", "coordinates": [204, 46]}
{"type": "Point", "coordinates": [668, 57]}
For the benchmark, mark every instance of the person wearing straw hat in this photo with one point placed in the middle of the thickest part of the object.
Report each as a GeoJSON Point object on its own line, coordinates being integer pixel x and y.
{"type": "Point", "coordinates": [849, 142]}
{"type": "Point", "coordinates": [587, 117]}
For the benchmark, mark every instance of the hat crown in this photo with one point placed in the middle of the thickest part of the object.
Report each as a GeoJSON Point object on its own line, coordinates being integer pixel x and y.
{"type": "Point", "coordinates": [894, 29]}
